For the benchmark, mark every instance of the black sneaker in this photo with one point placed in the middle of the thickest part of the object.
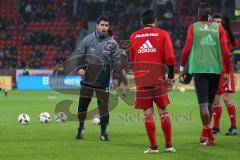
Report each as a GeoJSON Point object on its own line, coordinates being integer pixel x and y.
{"type": "Point", "coordinates": [231, 131]}
{"type": "Point", "coordinates": [104, 138]}
{"type": "Point", "coordinates": [215, 130]}
{"type": "Point", "coordinates": [80, 134]}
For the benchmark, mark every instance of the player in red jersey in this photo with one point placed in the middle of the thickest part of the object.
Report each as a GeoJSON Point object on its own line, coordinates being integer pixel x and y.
{"type": "Point", "coordinates": [223, 89]}
{"type": "Point", "coordinates": [151, 49]}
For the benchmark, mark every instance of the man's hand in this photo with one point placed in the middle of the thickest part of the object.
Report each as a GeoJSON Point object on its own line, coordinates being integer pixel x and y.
{"type": "Point", "coordinates": [81, 72]}
{"type": "Point", "coordinates": [181, 76]}
{"type": "Point", "coordinates": [114, 83]}
{"type": "Point", "coordinates": [226, 79]}
{"type": "Point", "coordinates": [170, 83]}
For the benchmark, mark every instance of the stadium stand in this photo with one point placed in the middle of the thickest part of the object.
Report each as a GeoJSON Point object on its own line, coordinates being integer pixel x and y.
{"type": "Point", "coordinates": [42, 33]}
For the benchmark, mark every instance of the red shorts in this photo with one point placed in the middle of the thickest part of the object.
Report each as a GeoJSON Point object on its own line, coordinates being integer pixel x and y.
{"type": "Point", "coordinates": [145, 96]}
{"type": "Point", "coordinates": [230, 88]}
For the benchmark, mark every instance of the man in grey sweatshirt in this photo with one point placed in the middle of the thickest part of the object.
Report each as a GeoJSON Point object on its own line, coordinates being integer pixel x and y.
{"type": "Point", "coordinates": [100, 57]}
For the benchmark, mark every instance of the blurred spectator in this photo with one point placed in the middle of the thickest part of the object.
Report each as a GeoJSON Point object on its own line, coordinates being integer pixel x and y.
{"type": "Point", "coordinates": [4, 35]}
{"type": "Point", "coordinates": [6, 26]}
{"type": "Point", "coordinates": [25, 71]}
{"type": "Point", "coordinates": [40, 10]}
{"type": "Point", "coordinates": [59, 60]}
{"type": "Point", "coordinates": [8, 57]}
{"type": "Point", "coordinates": [39, 38]}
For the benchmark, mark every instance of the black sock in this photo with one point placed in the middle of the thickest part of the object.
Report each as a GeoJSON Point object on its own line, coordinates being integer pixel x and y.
{"type": "Point", "coordinates": [104, 120]}
{"type": "Point", "coordinates": [103, 128]}
{"type": "Point", "coordinates": [81, 126]}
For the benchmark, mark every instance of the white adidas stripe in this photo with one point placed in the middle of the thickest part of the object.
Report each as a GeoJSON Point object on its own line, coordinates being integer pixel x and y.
{"type": "Point", "coordinates": [149, 44]}
{"type": "Point", "coordinates": [145, 45]}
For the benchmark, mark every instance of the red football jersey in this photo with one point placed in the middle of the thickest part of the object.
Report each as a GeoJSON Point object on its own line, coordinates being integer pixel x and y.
{"type": "Point", "coordinates": [230, 88]}
{"type": "Point", "coordinates": [151, 49]}
{"type": "Point", "coordinates": [230, 45]}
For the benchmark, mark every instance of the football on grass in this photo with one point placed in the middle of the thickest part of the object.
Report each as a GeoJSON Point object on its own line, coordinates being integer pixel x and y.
{"type": "Point", "coordinates": [96, 120]}
{"type": "Point", "coordinates": [44, 117]}
{"type": "Point", "coordinates": [23, 119]}
{"type": "Point", "coordinates": [61, 117]}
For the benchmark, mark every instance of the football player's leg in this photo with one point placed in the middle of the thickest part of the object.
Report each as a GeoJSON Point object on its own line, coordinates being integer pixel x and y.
{"type": "Point", "coordinates": [150, 127]}
{"type": "Point", "coordinates": [231, 113]}
{"type": "Point", "coordinates": [217, 112]}
{"type": "Point", "coordinates": [103, 106]}
{"type": "Point", "coordinates": [144, 101]}
{"type": "Point", "coordinates": [213, 87]}
{"type": "Point", "coordinates": [214, 99]}
{"type": "Point", "coordinates": [84, 100]}
{"type": "Point", "coordinates": [162, 101]}
{"type": "Point", "coordinates": [201, 82]}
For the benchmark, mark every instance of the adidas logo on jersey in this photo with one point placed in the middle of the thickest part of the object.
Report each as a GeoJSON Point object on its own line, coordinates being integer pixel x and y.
{"type": "Point", "coordinates": [208, 40]}
{"type": "Point", "coordinates": [147, 48]}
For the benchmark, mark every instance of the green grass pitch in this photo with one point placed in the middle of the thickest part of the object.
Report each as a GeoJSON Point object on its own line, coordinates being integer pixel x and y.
{"type": "Point", "coordinates": [56, 141]}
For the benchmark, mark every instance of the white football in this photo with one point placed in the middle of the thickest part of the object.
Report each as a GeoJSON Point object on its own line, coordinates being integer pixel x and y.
{"type": "Point", "coordinates": [44, 117]}
{"type": "Point", "coordinates": [23, 119]}
{"type": "Point", "coordinates": [61, 117]}
{"type": "Point", "coordinates": [96, 119]}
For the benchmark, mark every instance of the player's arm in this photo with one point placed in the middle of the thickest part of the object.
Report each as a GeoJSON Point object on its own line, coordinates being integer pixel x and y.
{"type": "Point", "coordinates": [80, 53]}
{"type": "Point", "coordinates": [116, 65]}
{"type": "Point", "coordinates": [225, 53]}
{"type": "Point", "coordinates": [170, 59]}
{"type": "Point", "coordinates": [187, 48]}
{"type": "Point", "coordinates": [185, 53]}
{"type": "Point", "coordinates": [169, 55]}
{"type": "Point", "coordinates": [224, 49]}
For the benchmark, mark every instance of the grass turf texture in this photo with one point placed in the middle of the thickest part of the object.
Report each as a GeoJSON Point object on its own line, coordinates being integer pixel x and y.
{"type": "Point", "coordinates": [126, 130]}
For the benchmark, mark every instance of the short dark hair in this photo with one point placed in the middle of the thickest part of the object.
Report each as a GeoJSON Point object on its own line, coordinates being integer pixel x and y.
{"type": "Point", "coordinates": [148, 17]}
{"type": "Point", "coordinates": [204, 9]}
{"type": "Point", "coordinates": [102, 18]}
